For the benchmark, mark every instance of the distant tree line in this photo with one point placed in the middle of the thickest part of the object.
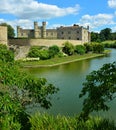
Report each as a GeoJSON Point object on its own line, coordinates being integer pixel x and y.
{"type": "Point", "coordinates": [103, 35]}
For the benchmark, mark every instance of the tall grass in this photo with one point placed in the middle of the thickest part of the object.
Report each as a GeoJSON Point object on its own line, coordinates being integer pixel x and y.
{"type": "Point", "coordinates": [50, 122]}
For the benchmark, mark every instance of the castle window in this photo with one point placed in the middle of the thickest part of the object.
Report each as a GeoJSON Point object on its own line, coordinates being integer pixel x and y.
{"type": "Point", "coordinates": [69, 38]}
{"type": "Point", "coordinates": [77, 38]}
{"type": "Point", "coordinates": [77, 31]}
{"type": "Point", "coordinates": [62, 32]}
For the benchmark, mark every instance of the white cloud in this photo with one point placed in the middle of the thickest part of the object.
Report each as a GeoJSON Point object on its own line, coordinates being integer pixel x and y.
{"type": "Point", "coordinates": [98, 20]}
{"type": "Point", "coordinates": [31, 9]}
{"type": "Point", "coordinates": [113, 29]}
{"type": "Point", "coordinates": [112, 3]}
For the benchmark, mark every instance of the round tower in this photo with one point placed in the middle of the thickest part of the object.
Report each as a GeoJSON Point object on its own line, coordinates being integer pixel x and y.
{"type": "Point", "coordinates": [18, 31]}
{"type": "Point", "coordinates": [36, 30]}
{"type": "Point", "coordinates": [43, 29]}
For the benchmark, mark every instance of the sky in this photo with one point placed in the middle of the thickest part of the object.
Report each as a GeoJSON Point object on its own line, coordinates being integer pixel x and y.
{"type": "Point", "coordinates": [97, 14]}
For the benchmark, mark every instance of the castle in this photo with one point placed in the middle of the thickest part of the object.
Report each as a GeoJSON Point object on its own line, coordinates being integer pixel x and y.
{"type": "Point", "coordinates": [3, 35]}
{"type": "Point", "coordinates": [74, 32]}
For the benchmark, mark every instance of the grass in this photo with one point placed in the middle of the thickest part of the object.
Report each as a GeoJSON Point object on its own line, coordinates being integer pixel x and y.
{"type": "Point", "coordinates": [60, 60]}
{"type": "Point", "coordinates": [108, 41]}
{"type": "Point", "coordinates": [50, 122]}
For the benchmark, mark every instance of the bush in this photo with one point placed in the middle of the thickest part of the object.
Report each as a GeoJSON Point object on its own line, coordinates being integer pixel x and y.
{"type": "Point", "coordinates": [5, 54]}
{"type": "Point", "coordinates": [54, 50]}
{"type": "Point", "coordinates": [79, 49]}
{"type": "Point", "coordinates": [33, 52]}
{"type": "Point", "coordinates": [43, 54]}
{"type": "Point", "coordinates": [98, 48]}
{"type": "Point", "coordinates": [68, 48]}
{"type": "Point", "coordinates": [107, 45]}
{"type": "Point", "coordinates": [88, 47]}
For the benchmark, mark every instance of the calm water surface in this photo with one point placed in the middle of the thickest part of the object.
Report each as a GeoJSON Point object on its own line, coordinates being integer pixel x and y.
{"type": "Point", "coordinates": [69, 78]}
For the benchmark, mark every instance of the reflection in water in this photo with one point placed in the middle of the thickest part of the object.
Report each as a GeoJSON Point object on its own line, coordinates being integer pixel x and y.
{"type": "Point", "coordinates": [69, 79]}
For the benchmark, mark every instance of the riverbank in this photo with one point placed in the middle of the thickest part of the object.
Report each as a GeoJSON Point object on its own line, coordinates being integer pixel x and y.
{"type": "Point", "coordinates": [61, 60]}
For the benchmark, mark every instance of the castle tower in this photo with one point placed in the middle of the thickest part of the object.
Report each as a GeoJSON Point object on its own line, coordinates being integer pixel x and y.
{"type": "Point", "coordinates": [18, 31]}
{"type": "Point", "coordinates": [3, 35]}
{"type": "Point", "coordinates": [43, 29]}
{"type": "Point", "coordinates": [36, 30]}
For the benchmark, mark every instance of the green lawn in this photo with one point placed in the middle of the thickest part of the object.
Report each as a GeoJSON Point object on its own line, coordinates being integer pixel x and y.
{"type": "Point", "coordinates": [109, 41]}
{"type": "Point", "coordinates": [57, 61]}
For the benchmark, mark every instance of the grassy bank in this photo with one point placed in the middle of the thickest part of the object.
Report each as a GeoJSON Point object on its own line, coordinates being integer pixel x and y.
{"type": "Point", "coordinates": [50, 122]}
{"type": "Point", "coordinates": [62, 60]}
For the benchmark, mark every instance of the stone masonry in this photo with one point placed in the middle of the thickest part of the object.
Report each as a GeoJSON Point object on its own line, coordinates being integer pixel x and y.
{"type": "Point", "coordinates": [3, 35]}
{"type": "Point", "coordinates": [74, 32]}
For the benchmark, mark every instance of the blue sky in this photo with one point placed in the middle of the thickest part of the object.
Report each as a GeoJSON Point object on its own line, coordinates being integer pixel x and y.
{"type": "Point", "coordinates": [98, 14]}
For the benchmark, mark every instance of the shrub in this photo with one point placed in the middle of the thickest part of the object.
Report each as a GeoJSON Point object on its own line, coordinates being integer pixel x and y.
{"type": "Point", "coordinates": [5, 54]}
{"type": "Point", "coordinates": [98, 48]}
{"type": "Point", "coordinates": [53, 50]}
{"type": "Point", "coordinates": [80, 49]}
{"type": "Point", "coordinates": [33, 52]}
{"type": "Point", "coordinates": [88, 47]}
{"type": "Point", "coordinates": [68, 48]}
{"type": "Point", "coordinates": [43, 54]}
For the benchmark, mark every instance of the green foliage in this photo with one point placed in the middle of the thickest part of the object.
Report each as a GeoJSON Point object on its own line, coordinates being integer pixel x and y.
{"type": "Point", "coordinates": [18, 89]}
{"type": "Point", "coordinates": [36, 52]}
{"type": "Point", "coordinates": [53, 50]}
{"type": "Point", "coordinates": [50, 122]}
{"type": "Point", "coordinates": [9, 109]}
{"type": "Point", "coordinates": [98, 48]}
{"type": "Point", "coordinates": [44, 54]}
{"type": "Point", "coordinates": [11, 33]}
{"type": "Point", "coordinates": [79, 49]}
{"type": "Point", "coordinates": [110, 45]}
{"type": "Point", "coordinates": [33, 52]}
{"type": "Point", "coordinates": [95, 37]}
{"type": "Point", "coordinates": [68, 48]}
{"type": "Point", "coordinates": [105, 34]}
{"type": "Point", "coordinates": [89, 47]}
{"type": "Point", "coordinates": [100, 87]}
{"type": "Point", "coordinates": [5, 54]}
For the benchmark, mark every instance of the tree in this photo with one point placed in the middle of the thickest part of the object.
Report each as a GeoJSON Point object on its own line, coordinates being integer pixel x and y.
{"type": "Point", "coordinates": [18, 89]}
{"type": "Point", "coordinates": [11, 33]}
{"type": "Point", "coordinates": [68, 48]}
{"type": "Point", "coordinates": [105, 34]}
{"type": "Point", "coordinates": [95, 37]}
{"type": "Point", "coordinates": [100, 88]}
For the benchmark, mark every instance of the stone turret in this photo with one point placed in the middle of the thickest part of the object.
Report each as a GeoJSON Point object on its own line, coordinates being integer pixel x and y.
{"type": "Point", "coordinates": [43, 29]}
{"type": "Point", "coordinates": [18, 31]}
{"type": "Point", "coordinates": [36, 30]}
{"type": "Point", "coordinates": [88, 28]}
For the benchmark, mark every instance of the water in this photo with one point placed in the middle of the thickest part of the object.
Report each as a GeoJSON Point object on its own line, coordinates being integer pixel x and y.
{"type": "Point", "coordinates": [69, 78]}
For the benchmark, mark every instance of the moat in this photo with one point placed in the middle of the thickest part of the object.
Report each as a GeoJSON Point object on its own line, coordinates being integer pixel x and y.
{"type": "Point", "coordinates": [69, 79]}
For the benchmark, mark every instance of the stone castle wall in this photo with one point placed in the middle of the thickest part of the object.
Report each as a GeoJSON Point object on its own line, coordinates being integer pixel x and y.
{"type": "Point", "coordinates": [19, 42]}
{"type": "Point", "coordinates": [48, 42]}
{"type": "Point", "coordinates": [3, 35]}
{"type": "Point", "coordinates": [42, 42]}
